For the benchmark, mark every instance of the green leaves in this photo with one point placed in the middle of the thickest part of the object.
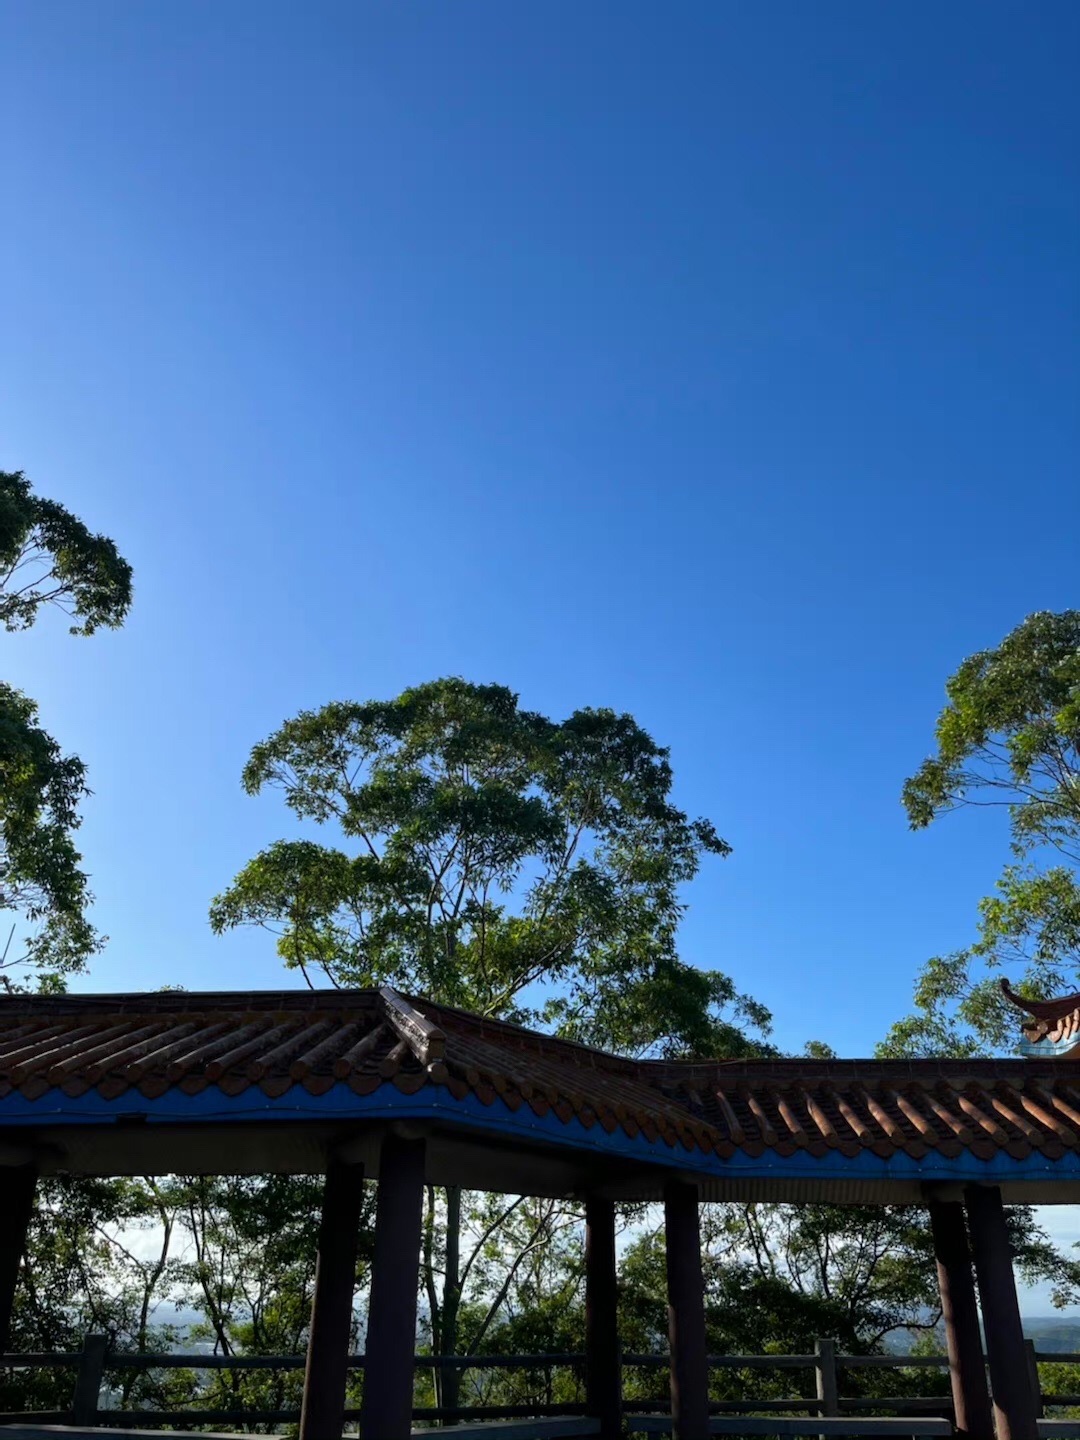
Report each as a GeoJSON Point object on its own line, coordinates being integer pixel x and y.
{"type": "Point", "coordinates": [1009, 737]}
{"type": "Point", "coordinates": [47, 557]}
{"type": "Point", "coordinates": [40, 875]}
{"type": "Point", "coordinates": [778, 1277]}
{"type": "Point", "coordinates": [489, 856]}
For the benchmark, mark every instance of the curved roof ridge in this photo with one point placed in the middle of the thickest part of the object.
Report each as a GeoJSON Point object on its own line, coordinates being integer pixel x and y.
{"type": "Point", "coordinates": [527, 1039]}
{"type": "Point", "coordinates": [1042, 1009]}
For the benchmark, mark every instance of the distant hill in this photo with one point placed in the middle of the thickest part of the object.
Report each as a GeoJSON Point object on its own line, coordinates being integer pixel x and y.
{"type": "Point", "coordinates": [1057, 1333]}
{"type": "Point", "coordinates": [1054, 1332]}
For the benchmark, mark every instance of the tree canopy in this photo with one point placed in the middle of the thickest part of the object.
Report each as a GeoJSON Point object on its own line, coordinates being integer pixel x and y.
{"type": "Point", "coordinates": [40, 874]}
{"type": "Point", "coordinates": [47, 557]}
{"type": "Point", "coordinates": [1008, 738]}
{"type": "Point", "coordinates": [498, 860]}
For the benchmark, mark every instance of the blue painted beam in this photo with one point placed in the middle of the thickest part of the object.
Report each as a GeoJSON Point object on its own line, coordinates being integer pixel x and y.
{"type": "Point", "coordinates": [433, 1103]}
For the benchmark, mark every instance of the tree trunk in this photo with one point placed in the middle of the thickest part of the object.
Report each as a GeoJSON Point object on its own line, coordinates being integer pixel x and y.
{"type": "Point", "coordinates": [451, 1301]}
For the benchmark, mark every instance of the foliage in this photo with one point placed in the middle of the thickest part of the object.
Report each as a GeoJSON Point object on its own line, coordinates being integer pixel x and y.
{"type": "Point", "coordinates": [1008, 738]}
{"type": "Point", "coordinates": [47, 557]}
{"type": "Point", "coordinates": [519, 1292]}
{"type": "Point", "coordinates": [492, 851]}
{"type": "Point", "coordinates": [40, 876]}
{"type": "Point", "coordinates": [778, 1277]}
{"type": "Point", "coordinates": [224, 1264]}
{"type": "Point", "coordinates": [247, 1272]}
{"type": "Point", "coordinates": [81, 1274]}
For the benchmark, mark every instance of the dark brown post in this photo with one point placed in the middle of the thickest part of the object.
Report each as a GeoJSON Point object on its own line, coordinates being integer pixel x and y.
{"type": "Point", "coordinates": [960, 1312]}
{"type": "Point", "coordinates": [603, 1368]}
{"type": "Point", "coordinates": [1033, 1375]}
{"type": "Point", "coordinates": [686, 1314]}
{"type": "Point", "coordinates": [322, 1416]}
{"type": "Point", "coordinates": [1010, 1384]}
{"type": "Point", "coordinates": [390, 1347]}
{"type": "Point", "coordinates": [16, 1206]}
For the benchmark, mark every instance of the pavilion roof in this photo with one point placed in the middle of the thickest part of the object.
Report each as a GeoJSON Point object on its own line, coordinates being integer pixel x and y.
{"type": "Point", "coordinates": [141, 1049]}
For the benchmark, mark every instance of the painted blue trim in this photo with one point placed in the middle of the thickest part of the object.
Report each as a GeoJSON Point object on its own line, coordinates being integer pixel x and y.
{"type": "Point", "coordinates": [1048, 1050]}
{"type": "Point", "coordinates": [435, 1103]}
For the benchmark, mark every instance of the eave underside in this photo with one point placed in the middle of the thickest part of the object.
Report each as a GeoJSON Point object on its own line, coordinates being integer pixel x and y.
{"type": "Point", "coordinates": [484, 1154]}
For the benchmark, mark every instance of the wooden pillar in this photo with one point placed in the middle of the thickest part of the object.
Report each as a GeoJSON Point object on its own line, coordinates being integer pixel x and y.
{"type": "Point", "coordinates": [960, 1312]}
{"type": "Point", "coordinates": [390, 1346]}
{"type": "Point", "coordinates": [603, 1365]}
{"type": "Point", "coordinates": [322, 1416]}
{"type": "Point", "coordinates": [686, 1313]}
{"type": "Point", "coordinates": [1010, 1384]}
{"type": "Point", "coordinates": [17, 1184]}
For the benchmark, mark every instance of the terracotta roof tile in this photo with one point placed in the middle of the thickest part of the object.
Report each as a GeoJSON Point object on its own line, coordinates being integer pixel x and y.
{"type": "Point", "coordinates": [71, 1044]}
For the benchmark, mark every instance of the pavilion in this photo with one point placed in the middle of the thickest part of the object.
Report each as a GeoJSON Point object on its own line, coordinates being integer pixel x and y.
{"type": "Point", "coordinates": [368, 1084]}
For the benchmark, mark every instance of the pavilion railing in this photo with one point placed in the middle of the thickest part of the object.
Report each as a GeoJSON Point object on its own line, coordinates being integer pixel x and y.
{"type": "Point", "coordinates": [92, 1363]}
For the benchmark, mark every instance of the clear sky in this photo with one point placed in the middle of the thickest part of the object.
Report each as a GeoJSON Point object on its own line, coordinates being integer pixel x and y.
{"type": "Point", "coordinates": [718, 362]}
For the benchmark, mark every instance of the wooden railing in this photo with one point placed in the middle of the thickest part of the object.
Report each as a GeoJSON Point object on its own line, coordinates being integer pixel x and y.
{"type": "Point", "coordinates": [94, 1360]}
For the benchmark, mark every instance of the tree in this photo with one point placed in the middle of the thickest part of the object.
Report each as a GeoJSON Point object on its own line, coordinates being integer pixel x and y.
{"type": "Point", "coordinates": [82, 1274]}
{"type": "Point", "coordinates": [156, 1264]}
{"type": "Point", "coordinates": [777, 1277]}
{"type": "Point", "coordinates": [492, 851]}
{"type": "Point", "coordinates": [498, 860]}
{"type": "Point", "coordinates": [40, 791]}
{"type": "Point", "coordinates": [47, 557]}
{"type": "Point", "coordinates": [520, 1293]}
{"type": "Point", "coordinates": [1009, 737]}
{"type": "Point", "coordinates": [248, 1271]}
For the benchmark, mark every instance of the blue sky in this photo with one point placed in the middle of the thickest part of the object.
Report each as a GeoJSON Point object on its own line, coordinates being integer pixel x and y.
{"type": "Point", "coordinates": [716, 362]}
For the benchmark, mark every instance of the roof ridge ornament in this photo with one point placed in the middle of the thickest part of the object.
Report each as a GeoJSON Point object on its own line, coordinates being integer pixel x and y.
{"type": "Point", "coordinates": [426, 1040]}
{"type": "Point", "coordinates": [1053, 1031]}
